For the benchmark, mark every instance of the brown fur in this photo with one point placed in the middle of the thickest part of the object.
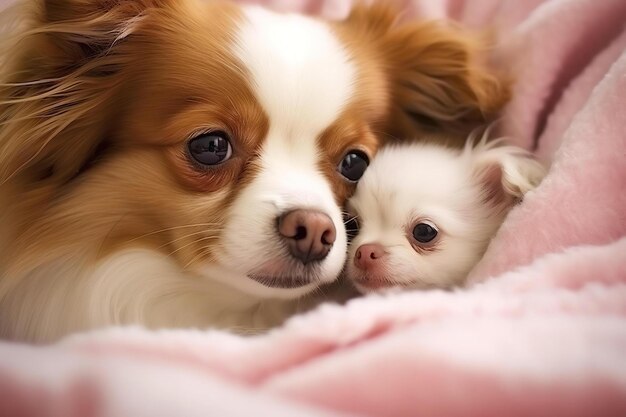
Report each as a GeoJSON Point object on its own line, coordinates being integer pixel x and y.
{"type": "Point", "coordinates": [98, 99]}
{"type": "Point", "coordinates": [435, 71]}
{"type": "Point", "coordinates": [97, 154]}
{"type": "Point", "coordinates": [347, 133]}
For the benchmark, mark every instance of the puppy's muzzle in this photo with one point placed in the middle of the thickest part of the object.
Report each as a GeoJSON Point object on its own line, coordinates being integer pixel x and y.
{"type": "Point", "coordinates": [309, 234]}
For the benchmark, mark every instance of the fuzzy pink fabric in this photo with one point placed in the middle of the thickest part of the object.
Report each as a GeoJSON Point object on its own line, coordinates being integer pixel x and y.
{"type": "Point", "coordinates": [541, 331]}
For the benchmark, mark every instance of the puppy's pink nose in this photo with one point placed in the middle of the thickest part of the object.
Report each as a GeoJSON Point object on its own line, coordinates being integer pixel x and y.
{"type": "Point", "coordinates": [309, 234]}
{"type": "Point", "coordinates": [369, 255]}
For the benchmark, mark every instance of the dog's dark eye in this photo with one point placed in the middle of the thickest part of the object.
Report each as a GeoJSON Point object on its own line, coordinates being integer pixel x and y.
{"type": "Point", "coordinates": [353, 165]}
{"type": "Point", "coordinates": [424, 232]}
{"type": "Point", "coordinates": [352, 226]}
{"type": "Point", "coordinates": [210, 148]}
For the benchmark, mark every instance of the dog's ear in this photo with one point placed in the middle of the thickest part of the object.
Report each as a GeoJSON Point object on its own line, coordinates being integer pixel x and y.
{"type": "Point", "coordinates": [59, 71]}
{"type": "Point", "coordinates": [84, 29]}
{"type": "Point", "coordinates": [75, 10]}
{"type": "Point", "coordinates": [372, 21]}
{"type": "Point", "coordinates": [434, 70]}
{"type": "Point", "coordinates": [504, 173]}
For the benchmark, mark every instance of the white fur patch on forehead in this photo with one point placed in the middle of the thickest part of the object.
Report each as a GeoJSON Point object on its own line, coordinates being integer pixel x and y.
{"type": "Point", "coordinates": [429, 171]}
{"type": "Point", "coordinates": [303, 78]}
{"type": "Point", "coordinates": [415, 180]}
{"type": "Point", "coordinates": [301, 73]}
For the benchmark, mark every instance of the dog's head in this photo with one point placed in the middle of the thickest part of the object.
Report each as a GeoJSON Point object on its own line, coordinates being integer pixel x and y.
{"type": "Point", "coordinates": [427, 224]}
{"type": "Point", "coordinates": [228, 137]}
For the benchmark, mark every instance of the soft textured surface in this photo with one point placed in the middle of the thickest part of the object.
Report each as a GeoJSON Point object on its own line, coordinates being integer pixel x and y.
{"type": "Point", "coordinates": [542, 331]}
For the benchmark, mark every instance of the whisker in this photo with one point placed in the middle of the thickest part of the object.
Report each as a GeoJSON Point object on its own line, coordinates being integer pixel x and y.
{"type": "Point", "coordinates": [167, 229]}
{"type": "Point", "coordinates": [203, 252]}
{"type": "Point", "coordinates": [350, 219]}
{"type": "Point", "coordinates": [192, 243]}
{"type": "Point", "coordinates": [182, 238]}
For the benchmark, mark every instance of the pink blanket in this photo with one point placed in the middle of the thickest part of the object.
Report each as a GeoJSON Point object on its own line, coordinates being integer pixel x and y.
{"type": "Point", "coordinates": [541, 331]}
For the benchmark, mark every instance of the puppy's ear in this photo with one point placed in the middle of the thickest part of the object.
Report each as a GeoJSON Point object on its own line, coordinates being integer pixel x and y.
{"type": "Point", "coordinates": [505, 173]}
{"type": "Point", "coordinates": [434, 70]}
{"type": "Point", "coordinates": [57, 82]}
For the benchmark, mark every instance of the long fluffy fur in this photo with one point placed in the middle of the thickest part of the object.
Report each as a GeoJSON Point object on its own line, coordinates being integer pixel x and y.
{"type": "Point", "coordinates": [105, 222]}
{"type": "Point", "coordinates": [441, 78]}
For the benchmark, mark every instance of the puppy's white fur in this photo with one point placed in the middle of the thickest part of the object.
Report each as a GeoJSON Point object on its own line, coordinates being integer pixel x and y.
{"type": "Point", "coordinates": [465, 193]}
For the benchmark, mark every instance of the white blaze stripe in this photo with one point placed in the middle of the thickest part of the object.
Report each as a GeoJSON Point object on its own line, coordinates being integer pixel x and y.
{"type": "Point", "coordinates": [301, 73]}
{"type": "Point", "coordinates": [303, 79]}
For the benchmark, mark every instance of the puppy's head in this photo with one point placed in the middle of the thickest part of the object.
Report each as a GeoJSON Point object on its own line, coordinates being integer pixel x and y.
{"type": "Point", "coordinates": [226, 137]}
{"type": "Point", "coordinates": [425, 213]}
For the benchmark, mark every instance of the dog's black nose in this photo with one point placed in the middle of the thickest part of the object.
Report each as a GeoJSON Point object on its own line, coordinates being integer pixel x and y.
{"type": "Point", "coordinates": [309, 234]}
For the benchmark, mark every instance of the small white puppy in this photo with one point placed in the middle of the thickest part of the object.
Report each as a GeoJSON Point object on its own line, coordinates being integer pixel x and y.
{"type": "Point", "coordinates": [423, 214]}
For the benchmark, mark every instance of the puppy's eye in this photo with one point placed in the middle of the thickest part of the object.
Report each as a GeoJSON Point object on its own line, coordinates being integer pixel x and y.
{"type": "Point", "coordinates": [353, 165]}
{"type": "Point", "coordinates": [424, 232]}
{"type": "Point", "coordinates": [210, 148]}
{"type": "Point", "coordinates": [352, 226]}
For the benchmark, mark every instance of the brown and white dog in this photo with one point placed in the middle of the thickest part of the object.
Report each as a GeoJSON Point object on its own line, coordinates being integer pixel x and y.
{"type": "Point", "coordinates": [184, 163]}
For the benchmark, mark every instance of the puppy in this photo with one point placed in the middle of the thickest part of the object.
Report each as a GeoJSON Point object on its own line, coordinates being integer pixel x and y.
{"type": "Point", "coordinates": [176, 163]}
{"type": "Point", "coordinates": [425, 213]}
